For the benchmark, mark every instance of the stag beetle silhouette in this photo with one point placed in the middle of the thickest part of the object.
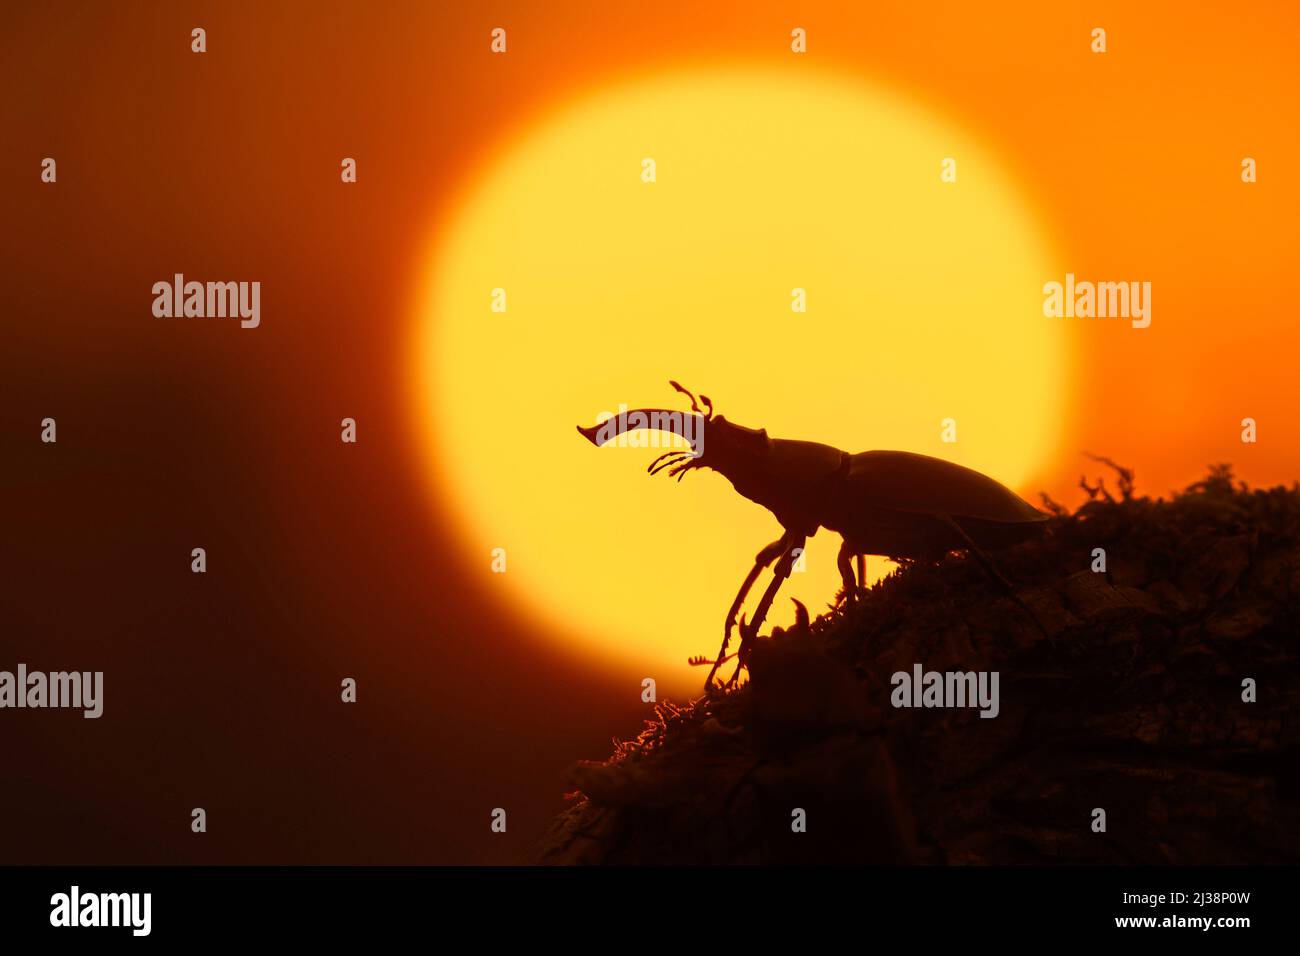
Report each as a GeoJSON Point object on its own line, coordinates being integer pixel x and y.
{"type": "Point", "coordinates": [890, 503]}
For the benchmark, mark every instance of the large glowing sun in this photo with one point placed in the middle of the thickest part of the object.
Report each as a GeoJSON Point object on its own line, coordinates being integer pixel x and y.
{"type": "Point", "coordinates": [923, 303]}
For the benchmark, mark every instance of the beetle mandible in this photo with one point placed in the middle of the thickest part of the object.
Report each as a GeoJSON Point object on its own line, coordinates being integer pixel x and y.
{"type": "Point", "coordinates": [890, 503]}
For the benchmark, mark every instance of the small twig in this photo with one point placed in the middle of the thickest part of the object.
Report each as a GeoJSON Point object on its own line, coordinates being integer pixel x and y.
{"type": "Point", "coordinates": [1125, 475]}
{"type": "Point", "coordinates": [1053, 507]}
{"type": "Point", "coordinates": [1094, 491]}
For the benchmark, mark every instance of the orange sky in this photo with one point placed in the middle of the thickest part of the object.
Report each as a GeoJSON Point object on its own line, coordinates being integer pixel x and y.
{"type": "Point", "coordinates": [226, 167]}
{"type": "Point", "coordinates": [1131, 158]}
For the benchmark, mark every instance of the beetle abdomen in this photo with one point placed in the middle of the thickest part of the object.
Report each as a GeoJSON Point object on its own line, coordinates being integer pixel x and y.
{"type": "Point", "coordinates": [919, 484]}
{"type": "Point", "coordinates": [906, 534]}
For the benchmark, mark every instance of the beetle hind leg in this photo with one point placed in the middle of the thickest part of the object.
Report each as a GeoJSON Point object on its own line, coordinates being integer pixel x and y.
{"type": "Point", "coordinates": [994, 573]}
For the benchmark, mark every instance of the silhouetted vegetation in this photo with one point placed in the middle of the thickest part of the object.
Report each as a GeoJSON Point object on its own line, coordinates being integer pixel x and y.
{"type": "Point", "coordinates": [1133, 704]}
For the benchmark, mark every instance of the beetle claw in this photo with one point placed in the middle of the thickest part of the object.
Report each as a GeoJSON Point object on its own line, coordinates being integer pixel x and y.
{"type": "Point", "coordinates": [801, 620]}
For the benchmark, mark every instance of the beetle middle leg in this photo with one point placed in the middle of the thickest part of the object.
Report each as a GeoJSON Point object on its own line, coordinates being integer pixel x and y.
{"type": "Point", "coordinates": [844, 561]}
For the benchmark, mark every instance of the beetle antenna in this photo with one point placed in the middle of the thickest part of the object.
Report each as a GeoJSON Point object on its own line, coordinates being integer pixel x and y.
{"type": "Point", "coordinates": [681, 469]}
{"type": "Point", "coordinates": [695, 406]}
{"type": "Point", "coordinates": [668, 454]}
{"type": "Point", "coordinates": [681, 456]}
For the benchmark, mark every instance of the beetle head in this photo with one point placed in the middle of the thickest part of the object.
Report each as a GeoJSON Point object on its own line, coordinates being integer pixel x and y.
{"type": "Point", "coordinates": [707, 441]}
{"type": "Point", "coordinates": [733, 449]}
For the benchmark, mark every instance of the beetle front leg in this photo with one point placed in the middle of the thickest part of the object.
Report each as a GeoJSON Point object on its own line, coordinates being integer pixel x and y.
{"type": "Point", "coordinates": [780, 573]}
{"type": "Point", "coordinates": [761, 560]}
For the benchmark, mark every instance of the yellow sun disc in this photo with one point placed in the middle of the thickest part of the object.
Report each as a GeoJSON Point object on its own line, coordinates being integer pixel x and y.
{"type": "Point", "coordinates": [570, 280]}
